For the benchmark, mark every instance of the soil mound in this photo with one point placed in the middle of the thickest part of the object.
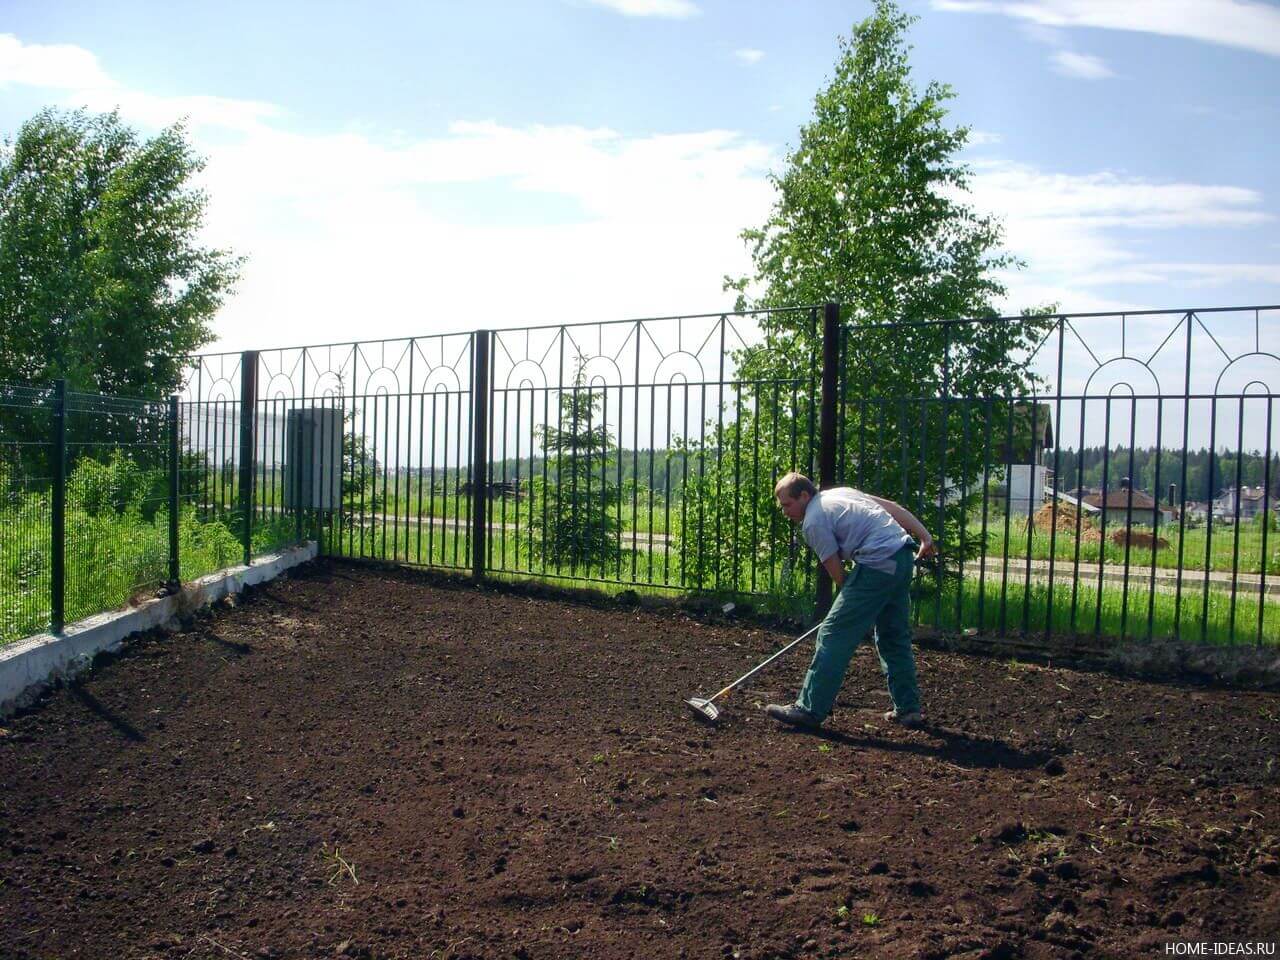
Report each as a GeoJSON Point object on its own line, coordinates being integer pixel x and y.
{"type": "Point", "coordinates": [1067, 517]}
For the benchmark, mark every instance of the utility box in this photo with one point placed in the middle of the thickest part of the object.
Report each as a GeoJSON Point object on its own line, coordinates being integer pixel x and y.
{"type": "Point", "coordinates": [1026, 488]}
{"type": "Point", "coordinates": [313, 459]}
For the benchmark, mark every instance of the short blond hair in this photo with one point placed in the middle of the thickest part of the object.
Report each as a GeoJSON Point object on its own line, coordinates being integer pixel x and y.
{"type": "Point", "coordinates": [795, 484]}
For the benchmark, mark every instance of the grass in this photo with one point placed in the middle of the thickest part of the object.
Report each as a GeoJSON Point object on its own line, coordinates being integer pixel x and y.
{"type": "Point", "coordinates": [112, 559]}
{"type": "Point", "coordinates": [411, 498]}
{"type": "Point", "coordinates": [1097, 613]}
{"type": "Point", "coordinates": [1106, 614]}
{"type": "Point", "coordinates": [338, 866]}
{"type": "Point", "coordinates": [1221, 546]}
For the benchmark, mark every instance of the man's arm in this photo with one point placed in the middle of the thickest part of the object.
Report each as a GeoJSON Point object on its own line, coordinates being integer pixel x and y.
{"type": "Point", "coordinates": [907, 520]}
{"type": "Point", "coordinates": [836, 569]}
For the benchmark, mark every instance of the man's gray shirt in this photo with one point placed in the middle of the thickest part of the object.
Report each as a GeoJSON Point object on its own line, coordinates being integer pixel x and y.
{"type": "Point", "coordinates": [848, 522]}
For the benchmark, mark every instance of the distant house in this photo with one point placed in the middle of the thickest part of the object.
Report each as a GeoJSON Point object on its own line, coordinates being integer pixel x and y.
{"type": "Point", "coordinates": [1243, 504]}
{"type": "Point", "coordinates": [1031, 425]}
{"type": "Point", "coordinates": [1197, 511]}
{"type": "Point", "coordinates": [1127, 505]}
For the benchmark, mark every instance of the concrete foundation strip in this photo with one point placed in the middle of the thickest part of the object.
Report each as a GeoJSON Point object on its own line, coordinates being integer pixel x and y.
{"type": "Point", "coordinates": [30, 666]}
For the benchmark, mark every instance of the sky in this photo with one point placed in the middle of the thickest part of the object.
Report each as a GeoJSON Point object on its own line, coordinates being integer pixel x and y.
{"type": "Point", "coordinates": [408, 168]}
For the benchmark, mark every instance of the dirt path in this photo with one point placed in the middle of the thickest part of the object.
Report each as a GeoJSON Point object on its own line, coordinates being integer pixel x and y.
{"type": "Point", "coordinates": [357, 763]}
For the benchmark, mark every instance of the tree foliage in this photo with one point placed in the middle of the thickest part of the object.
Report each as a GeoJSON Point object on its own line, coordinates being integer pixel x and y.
{"type": "Point", "coordinates": [577, 525]}
{"type": "Point", "coordinates": [871, 212]}
{"type": "Point", "coordinates": [102, 278]}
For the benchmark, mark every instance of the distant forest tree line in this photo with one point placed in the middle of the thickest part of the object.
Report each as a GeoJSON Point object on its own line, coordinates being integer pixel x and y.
{"type": "Point", "coordinates": [664, 470]}
{"type": "Point", "coordinates": [1202, 484]}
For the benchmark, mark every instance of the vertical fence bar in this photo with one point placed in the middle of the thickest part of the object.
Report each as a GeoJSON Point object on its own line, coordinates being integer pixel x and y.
{"type": "Point", "coordinates": [1155, 526]}
{"type": "Point", "coordinates": [1075, 560]}
{"type": "Point", "coordinates": [248, 410]}
{"type": "Point", "coordinates": [827, 445]}
{"type": "Point", "coordinates": [1106, 505]}
{"type": "Point", "coordinates": [1266, 523]}
{"type": "Point", "coordinates": [1210, 486]}
{"type": "Point", "coordinates": [58, 564]}
{"type": "Point", "coordinates": [480, 453]}
{"type": "Point", "coordinates": [635, 464]}
{"type": "Point", "coordinates": [1236, 521]}
{"type": "Point", "coordinates": [941, 527]}
{"type": "Point", "coordinates": [1057, 486]}
{"type": "Point", "coordinates": [962, 552]}
{"type": "Point", "coordinates": [1128, 519]}
{"type": "Point", "coordinates": [1182, 511]}
{"type": "Point", "coordinates": [1008, 509]}
{"type": "Point", "coordinates": [174, 463]}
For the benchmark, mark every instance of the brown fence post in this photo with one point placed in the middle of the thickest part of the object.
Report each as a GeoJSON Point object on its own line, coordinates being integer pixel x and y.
{"type": "Point", "coordinates": [827, 434]}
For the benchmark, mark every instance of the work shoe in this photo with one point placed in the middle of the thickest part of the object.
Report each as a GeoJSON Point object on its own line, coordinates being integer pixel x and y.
{"type": "Point", "coordinates": [793, 714]}
{"type": "Point", "coordinates": [910, 720]}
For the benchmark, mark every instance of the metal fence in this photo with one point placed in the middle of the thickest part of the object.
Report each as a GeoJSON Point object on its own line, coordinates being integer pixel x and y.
{"type": "Point", "coordinates": [86, 507]}
{"type": "Point", "coordinates": [1084, 475]}
{"type": "Point", "coordinates": [1067, 489]}
{"type": "Point", "coordinates": [1089, 502]}
{"type": "Point", "coordinates": [105, 501]}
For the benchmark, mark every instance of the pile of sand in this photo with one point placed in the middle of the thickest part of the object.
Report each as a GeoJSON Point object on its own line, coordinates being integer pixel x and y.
{"type": "Point", "coordinates": [1066, 522]}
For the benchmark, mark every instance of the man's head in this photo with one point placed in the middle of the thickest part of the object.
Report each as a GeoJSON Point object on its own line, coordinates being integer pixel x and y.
{"type": "Point", "coordinates": [794, 491]}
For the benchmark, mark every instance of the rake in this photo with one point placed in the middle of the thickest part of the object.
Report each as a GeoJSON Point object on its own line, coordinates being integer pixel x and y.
{"type": "Point", "coordinates": [706, 709]}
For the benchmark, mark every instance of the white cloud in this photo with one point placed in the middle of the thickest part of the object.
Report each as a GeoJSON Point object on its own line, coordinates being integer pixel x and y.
{"type": "Point", "coordinates": [346, 239]}
{"type": "Point", "coordinates": [1080, 65]}
{"type": "Point", "coordinates": [982, 138]}
{"type": "Point", "coordinates": [749, 56]}
{"type": "Point", "coordinates": [671, 9]}
{"type": "Point", "coordinates": [55, 66]}
{"type": "Point", "coordinates": [1074, 231]}
{"type": "Point", "coordinates": [80, 81]}
{"type": "Point", "coordinates": [1247, 24]}
{"type": "Point", "coordinates": [353, 235]}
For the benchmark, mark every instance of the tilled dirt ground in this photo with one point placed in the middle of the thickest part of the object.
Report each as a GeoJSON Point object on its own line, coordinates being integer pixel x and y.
{"type": "Point", "coordinates": [358, 763]}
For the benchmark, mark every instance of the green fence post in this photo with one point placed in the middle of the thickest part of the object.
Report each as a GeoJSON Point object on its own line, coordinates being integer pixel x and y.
{"type": "Point", "coordinates": [58, 566]}
{"type": "Point", "coordinates": [248, 416]}
{"type": "Point", "coordinates": [827, 441]}
{"type": "Point", "coordinates": [480, 454]}
{"type": "Point", "coordinates": [174, 570]}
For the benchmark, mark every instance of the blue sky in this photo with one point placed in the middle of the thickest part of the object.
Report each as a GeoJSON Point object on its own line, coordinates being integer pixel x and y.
{"type": "Point", "coordinates": [404, 168]}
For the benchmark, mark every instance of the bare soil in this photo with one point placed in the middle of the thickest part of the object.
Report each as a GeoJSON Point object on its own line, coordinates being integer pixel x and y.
{"type": "Point", "coordinates": [363, 763]}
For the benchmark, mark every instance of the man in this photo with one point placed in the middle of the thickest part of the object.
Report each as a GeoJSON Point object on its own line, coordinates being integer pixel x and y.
{"type": "Point", "coordinates": [843, 524]}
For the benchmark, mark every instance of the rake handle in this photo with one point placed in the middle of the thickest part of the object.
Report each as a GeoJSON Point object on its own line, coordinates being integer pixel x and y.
{"type": "Point", "coordinates": [756, 669]}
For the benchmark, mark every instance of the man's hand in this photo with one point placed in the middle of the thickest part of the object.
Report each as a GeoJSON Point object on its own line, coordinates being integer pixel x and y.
{"type": "Point", "coordinates": [927, 549]}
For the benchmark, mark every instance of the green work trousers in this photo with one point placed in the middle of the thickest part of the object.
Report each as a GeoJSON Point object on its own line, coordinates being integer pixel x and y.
{"type": "Point", "coordinates": [867, 598]}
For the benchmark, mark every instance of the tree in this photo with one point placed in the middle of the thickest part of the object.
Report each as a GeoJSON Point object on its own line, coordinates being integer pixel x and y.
{"type": "Point", "coordinates": [577, 523]}
{"type": "Point", "coordinates": [870, 213]}
{"type": "Point", "coordinates": [102, 280]}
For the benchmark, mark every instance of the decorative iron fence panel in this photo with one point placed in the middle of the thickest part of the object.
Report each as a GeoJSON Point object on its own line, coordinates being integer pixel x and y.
{"type": "Point", "coordinates": [1090, 503]}
{"type": "Point", "coordinates": [643, 453]}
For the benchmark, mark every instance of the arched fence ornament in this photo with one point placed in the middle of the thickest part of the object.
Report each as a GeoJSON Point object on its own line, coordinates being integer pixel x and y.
{"type": "Point", "coordinates": [678, 413]}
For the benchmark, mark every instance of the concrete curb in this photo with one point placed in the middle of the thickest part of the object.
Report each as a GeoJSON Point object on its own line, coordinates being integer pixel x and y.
{"type": "Point", "coordinates": [28, 667]}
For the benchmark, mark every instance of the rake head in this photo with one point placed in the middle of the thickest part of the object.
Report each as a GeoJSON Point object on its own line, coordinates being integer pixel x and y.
{"type": "Point", "coordinates": [703, 710]}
